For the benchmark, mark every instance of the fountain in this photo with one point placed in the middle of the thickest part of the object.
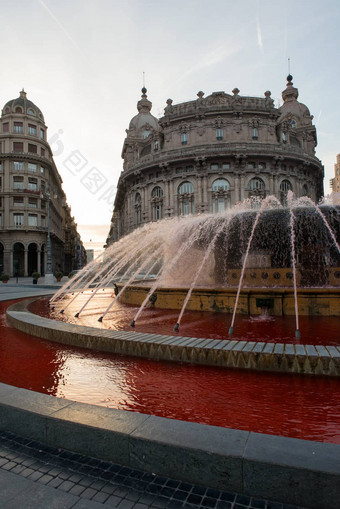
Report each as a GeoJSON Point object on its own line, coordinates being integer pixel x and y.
{"type": "Point", "coordinates": [257, 258]}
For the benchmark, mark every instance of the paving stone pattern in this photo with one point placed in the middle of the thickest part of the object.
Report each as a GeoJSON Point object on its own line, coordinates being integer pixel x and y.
{"type": "Point", "coordinates": [94, 483]}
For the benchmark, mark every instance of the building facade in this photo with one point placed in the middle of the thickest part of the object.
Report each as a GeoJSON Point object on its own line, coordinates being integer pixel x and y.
{"type": "Point", "coordinates": [208, 154]}
{"type": "Point", "coordinates": [32, 201]}
{"type": "Point", "coordinates": [335, 182]}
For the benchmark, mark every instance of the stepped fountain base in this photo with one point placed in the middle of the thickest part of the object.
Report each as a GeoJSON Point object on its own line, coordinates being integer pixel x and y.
{"type": "Point", "coordinates": [252, 301]}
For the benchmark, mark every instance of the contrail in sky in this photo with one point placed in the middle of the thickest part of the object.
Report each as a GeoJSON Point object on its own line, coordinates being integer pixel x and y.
{"type": "Point", "coordinates": [55, 19]}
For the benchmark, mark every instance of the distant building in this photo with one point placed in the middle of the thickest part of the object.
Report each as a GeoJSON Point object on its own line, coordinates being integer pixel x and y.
{"type": "Point", "coordinates": [335, 182]}
{"type": "Point", "coordinates": [89, 255]}
{"type": "Point", "coordinates": [208, 154]}
{"type": "Point", "coordinates": [32, 198]}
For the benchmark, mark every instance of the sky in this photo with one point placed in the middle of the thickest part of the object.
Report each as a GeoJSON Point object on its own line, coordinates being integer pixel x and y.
{"type": "Point", "coordinates": [82, 63]}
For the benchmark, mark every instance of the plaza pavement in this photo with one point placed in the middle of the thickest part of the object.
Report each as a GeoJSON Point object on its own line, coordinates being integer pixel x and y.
{"type": "Point", "coordinates": [35, 476]}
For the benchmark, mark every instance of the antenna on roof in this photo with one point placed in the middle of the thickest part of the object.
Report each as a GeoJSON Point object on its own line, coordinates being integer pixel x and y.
{"type": "Point", "coordinates": [143, 79]}
{"type": "Point", "coordinates": [288, 65]}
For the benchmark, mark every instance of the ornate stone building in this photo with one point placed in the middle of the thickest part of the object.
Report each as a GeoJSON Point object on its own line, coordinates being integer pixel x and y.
{"type": "Point", "coordinates": [32, 198]}
{"type": "Point", "coordinates": [208, 154]}
{"type": "Point", "coordinates": [335, 182]}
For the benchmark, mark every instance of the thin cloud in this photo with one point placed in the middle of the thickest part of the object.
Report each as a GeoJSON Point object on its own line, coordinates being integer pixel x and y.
{"type": "Point", "coordinates": [259, 35]}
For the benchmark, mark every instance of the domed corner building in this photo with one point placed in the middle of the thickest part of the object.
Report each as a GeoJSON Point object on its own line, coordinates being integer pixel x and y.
{"type": "Point", "coordinates": [208, 154]}
{"type": "Point", "coordinates": [32, 198]}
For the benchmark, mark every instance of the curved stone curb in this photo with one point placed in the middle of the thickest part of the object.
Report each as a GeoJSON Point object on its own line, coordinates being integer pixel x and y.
{"type": "Point", "coordinates": [289, 358]}
{"type": "Point", "coordinates": [287, 470]}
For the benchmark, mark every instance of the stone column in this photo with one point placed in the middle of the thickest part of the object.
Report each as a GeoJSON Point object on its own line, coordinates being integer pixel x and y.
{"type": "Point", "coordinates": [8, 261]}
{"type": "Point", "coordinates": [271, 184]}
{"type": "Point", "coordinates": [38, 260]}
{"type": "Point", "coordinates": [241, 187]}
{"type": "Point", "coordinates": [26, 262]}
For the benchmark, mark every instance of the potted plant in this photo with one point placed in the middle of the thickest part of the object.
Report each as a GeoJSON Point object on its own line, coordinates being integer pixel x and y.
{"type": "Point", "coordinates": [58, 275]}
{"type": "Point", "coordinates": [35, 276]}
{"type": "Point", "coordinates": [4, 278]}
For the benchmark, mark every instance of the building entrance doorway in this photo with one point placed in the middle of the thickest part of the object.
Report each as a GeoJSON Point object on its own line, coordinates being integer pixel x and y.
{"type": "Point", "coordinates": [32, 259]}
{"type": "Point", "coordinates": [18, 259]}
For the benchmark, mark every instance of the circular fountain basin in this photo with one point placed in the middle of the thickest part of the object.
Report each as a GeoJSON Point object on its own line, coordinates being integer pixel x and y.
{"type": "Point", "coordinates": [252, 301]}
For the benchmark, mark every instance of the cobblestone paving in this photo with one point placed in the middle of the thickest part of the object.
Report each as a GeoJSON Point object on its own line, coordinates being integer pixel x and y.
{"type": "Point", "coordinates": [96, 483]}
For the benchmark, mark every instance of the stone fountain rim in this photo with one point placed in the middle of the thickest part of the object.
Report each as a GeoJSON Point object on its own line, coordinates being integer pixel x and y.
{"type": "Point", "coordinates": [229, 353]}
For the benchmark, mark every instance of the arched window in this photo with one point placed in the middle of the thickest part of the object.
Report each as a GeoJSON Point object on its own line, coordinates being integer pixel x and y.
{"type": "Point", "coordinates": [292, 123]}
{"type": "Point", "coordinates": [184, 138]}
{"type": "Point", "coordinates": [146, 151]}
{"type": "Point", "coordinates": [18, 109]}
{"type": "Point", "coordinates": [145, 133]}
{"type": "Point", "coordinates": [222, 184]}
{"type": "Point", "coordinates": [256, 184]}
{"type": "Point", "coordinates": [32, 258]}
{"type": "Point", "coordinates": [220, 195]}
{"type": "Point", "coordinates": [254, 133]}
{"type": "Point", "coordinates": [18, 259]}
{"type": "Point", "coordinates": [186, 187]}
{"type": "Point", "coordinates": [185, 199]}
{"type": "Point", "coordinates": [256, 191]}
{"type": "Point", "coordinates": [305, 190]}
{"type": "Point", "coordinates": [285, 186]}
{"type": "Point", "coordinates": [157, 192]}
{"type": "Point", "coordinates": [138, 208]}
{"type": "Point", "coordinates": [30, 111]}
{"type": "Point", "coordinates": [157, 203]}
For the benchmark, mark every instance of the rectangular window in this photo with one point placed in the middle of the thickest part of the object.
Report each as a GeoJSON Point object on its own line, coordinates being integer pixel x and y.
{"type": "Point", "coordinates": [18, 201]}
{"type": "Point", "coordinates": [32, 148]}
{"type": "Point", "coordinates": [33, 203]}
{"type": "Point", "coordinates": [254, 133]}
{"type": "Point", "coordinates": [184, 138]}
{"type": "Point", "coordinates": [0, 166]}
{"type": "Point", "coordinates": [219, 134]}
{"type": "Point", "coordinates": [18, 146]}
{"type": "Point", "coordinates": [43, 221]}
{"type": "Point", "coordinates": [42, 134]}
{"type": "Point", "coordinates": [156, 145]}
{"type": "Point", "coordinates": [18, 182]}
{"type": "Point", "coordinates": [32, 167]}
{"type": "Point", "coordinates": [18, 219]}
{"type": "Point", "coordinates": [225, 166]}
{"type": "Point", "coordinates": [18, 127]}
{"type": "Point", "coordinates": [0, 220]}
{"type": "Point", "coordinates": [32, 220]}
{"type": "Point", "coordinates": [189, 168]}
{"type": "Point", "coordinates": [179, 170]}
{"type": "Point", "coordinates": [32, 129]}
{"type": "Point", "coordinates": [32, 185]}
{"type": "Point", "coordinates": [214, 166]}
{"type": "Point", "coordinates": [43, 204]}
{"type": "Point", "coordinates": [18, 166]}
{"type": "Point", "coordinates": [42, 152]}
{"type": "Point", "coordinates": [5, 127]}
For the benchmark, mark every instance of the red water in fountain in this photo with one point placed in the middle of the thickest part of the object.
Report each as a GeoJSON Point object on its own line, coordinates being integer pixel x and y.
{"type": "Point", "coordinates": [288, 405]}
